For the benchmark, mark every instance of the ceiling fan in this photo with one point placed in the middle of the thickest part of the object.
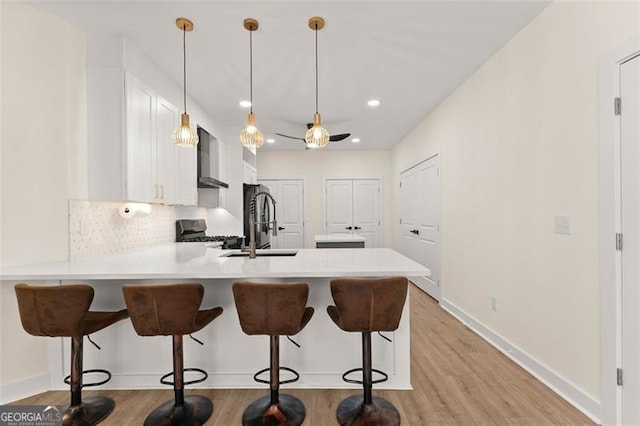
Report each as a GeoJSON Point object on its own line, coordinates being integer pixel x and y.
{"type": "Point", "coordinates": [332, 138]}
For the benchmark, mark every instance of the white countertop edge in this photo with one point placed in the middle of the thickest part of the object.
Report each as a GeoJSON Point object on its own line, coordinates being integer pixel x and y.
{"type": "Point", "coordinates": [175, 261]}
{"type": "Point", "coordinates": [203, 276]}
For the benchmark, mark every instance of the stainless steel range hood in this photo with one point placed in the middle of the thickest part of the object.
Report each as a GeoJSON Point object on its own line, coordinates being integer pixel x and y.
{"type": "Point", "coordinates": [209, 182]}
{"type": "Point", "coordinates": [208, 161]}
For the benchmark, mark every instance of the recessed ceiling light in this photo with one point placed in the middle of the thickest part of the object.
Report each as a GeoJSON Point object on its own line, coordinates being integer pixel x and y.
{"type": "Point", "coordinates": [355, 140]}
{"type": "Point", "coordinates": [373, 103]}
{"type": "Point", "coordinates": [245, 104]}
{"type": "Point", "coordinates": [271, 140]}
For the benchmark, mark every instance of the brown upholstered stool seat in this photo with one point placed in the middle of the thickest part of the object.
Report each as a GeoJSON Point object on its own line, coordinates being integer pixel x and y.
{"type": "Point", "coordinates": [173, 310]}
{"type": "Point", "coordinates": [63, 311]}
{"type": "Point", "coordinates": [273, 310]}
{"type": "Point", "coordinates": [364, 305]}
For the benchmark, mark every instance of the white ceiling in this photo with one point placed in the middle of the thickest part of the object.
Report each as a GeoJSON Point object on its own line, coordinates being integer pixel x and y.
{"type": "Point", "coordinates": [409, 55]}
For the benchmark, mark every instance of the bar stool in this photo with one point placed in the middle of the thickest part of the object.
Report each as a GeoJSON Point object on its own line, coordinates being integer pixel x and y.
{"type": "Point", "coordinates": [173, 310]}
{"type": "Point", "coordinates": [365, 305]}
{"type": "Point", "coordinates": [63, 311]}
{"type": "Point", "coordinates": [274, 310]}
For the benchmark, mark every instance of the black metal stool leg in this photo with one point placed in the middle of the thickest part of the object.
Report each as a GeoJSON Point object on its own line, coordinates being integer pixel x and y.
{"type": "Point", "coordinates": [274, 409]}
{"type": "Point", "coordinates": [367, 409]}
{"type": "Point", "coordinates": [91, 410]}
{"type": "Point", "coordinates": [193, 410]}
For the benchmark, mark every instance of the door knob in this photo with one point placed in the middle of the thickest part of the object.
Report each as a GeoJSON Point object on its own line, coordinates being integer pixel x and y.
{"type": "Point", "coordinates": [357, 227]}
{"type": "Point", "coordinates": [348, 227]}
{"type": "Point", "coordinates": [280, 228]}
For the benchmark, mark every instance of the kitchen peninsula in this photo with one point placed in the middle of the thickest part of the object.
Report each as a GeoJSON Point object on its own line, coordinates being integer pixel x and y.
{"type": "Point", "coordinates": [229, 356]}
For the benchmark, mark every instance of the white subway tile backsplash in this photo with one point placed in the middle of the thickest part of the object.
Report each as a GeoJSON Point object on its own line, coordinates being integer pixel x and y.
{"type": "Point", "coordinates": [96, 228]}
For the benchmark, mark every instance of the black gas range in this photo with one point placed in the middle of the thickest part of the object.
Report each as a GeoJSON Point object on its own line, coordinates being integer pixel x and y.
{"type": "Point", "coordinates": [193, 230]}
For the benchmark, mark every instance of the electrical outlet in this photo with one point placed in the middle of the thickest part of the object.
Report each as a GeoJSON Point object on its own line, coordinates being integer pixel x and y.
{"type": "Point", "coordinates": [494, 304]}
{"type": "Point", "coordinates": [562, 225]}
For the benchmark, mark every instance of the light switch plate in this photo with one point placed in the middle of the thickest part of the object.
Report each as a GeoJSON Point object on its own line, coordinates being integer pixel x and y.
{"type": "Point", "coordinates": [562, 225]}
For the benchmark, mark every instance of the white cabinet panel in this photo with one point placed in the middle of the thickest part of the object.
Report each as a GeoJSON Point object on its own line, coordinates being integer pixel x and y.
{"type": "Point", "coordinates": [250, 174]}
{"type": "Point", "coordinates": [131, 155]}
{"type": "Point", "coordinates": [140, 141]}
{"type": "Point", "coordinates": [166, 152]}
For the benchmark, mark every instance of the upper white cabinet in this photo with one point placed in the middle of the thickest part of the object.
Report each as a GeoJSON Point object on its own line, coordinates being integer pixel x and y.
{"type": "Point", "coordinates": [131, 155]}
{"type": "Point", "coordinates": [250, 172]}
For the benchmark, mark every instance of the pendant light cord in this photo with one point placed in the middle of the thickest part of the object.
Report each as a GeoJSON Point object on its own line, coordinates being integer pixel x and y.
{"type": "Point", "coordinates": [184, 65]}
{"type": "Point", "coordinates": [316, 67]}
{"type": "Point", "coordinates": [251, 69]}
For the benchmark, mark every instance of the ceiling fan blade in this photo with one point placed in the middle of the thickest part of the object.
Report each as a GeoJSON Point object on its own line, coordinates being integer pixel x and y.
{"type": "Point", "coordinates": [339, 137]}
{"type": "Point", "coordinates": [290, 137]}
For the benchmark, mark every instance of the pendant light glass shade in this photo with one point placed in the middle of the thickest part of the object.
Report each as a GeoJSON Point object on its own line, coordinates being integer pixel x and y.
{"type": "Point", "coordinates": [317, 136]}
{"type": "Point", "coordinates": [184, 136]}
{"type": "Point", "coordinates": [250, 136]}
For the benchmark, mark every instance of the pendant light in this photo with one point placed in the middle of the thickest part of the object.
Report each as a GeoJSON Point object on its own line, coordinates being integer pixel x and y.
{"type": "Point", "coordinates": [317, 136]}
{"type": "Point", "coordinates": [185, 135]}
{"type": "Point", "coordinates": [250, 136]}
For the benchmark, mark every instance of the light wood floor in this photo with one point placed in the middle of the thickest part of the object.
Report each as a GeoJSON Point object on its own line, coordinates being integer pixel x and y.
{"type": "Point", "coordinates": [457, 377]}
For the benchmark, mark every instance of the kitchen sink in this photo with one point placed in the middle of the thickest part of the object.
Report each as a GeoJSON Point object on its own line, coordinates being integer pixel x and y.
{"type": "Point", "coordinates": [262, 253]}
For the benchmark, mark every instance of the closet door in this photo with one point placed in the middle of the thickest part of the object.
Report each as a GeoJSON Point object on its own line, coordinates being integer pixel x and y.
{"type": "Point", "coordinates": [353, 206]}
{"type": "Point", "coordinates": [420, 217]}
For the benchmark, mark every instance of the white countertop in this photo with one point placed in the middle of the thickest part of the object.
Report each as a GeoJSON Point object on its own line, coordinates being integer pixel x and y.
{"type": "Point", "coordinates": [197, 261]}
{"type": "Point", "coordinates": [340, 238]}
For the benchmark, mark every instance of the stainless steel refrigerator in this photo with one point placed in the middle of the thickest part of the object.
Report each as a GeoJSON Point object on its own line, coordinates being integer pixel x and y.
{"type": "Point", "coordinates": [263, 214]}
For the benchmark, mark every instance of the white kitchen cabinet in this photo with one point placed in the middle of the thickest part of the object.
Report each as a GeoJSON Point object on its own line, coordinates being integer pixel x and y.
{"type": "Point", "coordinates": [250, 173]}
{"type": "Point", "coordinates": [131, 155]}
{"type": "Point", "coordinates": [176, 178]}
{"type": "Point", "coordinates": [354, 206]}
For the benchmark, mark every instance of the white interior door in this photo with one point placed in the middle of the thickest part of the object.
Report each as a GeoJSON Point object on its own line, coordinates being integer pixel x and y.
{"type": "Point", "coordinates": [408, 213]}
{"type": "Point", "coordinates": [339, 206]}
{"type": "Point", "coordinates": [289, 196]}
{"type": "Point", "coordinates": [366, 211]}
{"type": "Point", "coordinates": [420, 211]}
{"type": "Point", "coordinates": [630, 214]}
{"type": "Point", "coordinates": [353, 206]}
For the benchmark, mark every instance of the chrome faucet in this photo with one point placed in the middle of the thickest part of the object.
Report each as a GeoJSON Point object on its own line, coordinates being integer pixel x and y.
{"type": "Point", "coordinates": [253, 222]}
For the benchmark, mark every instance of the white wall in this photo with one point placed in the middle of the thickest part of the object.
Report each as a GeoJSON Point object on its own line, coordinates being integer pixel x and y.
{"type": "Point", "coordinates": [43, 126]}
{"type": "Point", "coordinates": [519, 146]}
{"type": "Point", "coordinates": [318, 164]}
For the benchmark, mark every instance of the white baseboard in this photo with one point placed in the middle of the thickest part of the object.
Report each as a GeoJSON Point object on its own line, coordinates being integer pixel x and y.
{"type": "Point", "coordinates": [567, 390]}
{"type": "Point", "coordinates": [427, 286]}
{"type": "Point", "coordinates": [14, 391]}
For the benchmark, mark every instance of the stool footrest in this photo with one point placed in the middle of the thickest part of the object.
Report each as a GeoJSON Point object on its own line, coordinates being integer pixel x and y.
{"type": "Point", "coordinates": [164, 381]}
{"type": "Point", "coordinates": [384, 375]}
{"type": "Point", "coordinates": [67, 379]}
{"type": "Point", "coordinates": [282, 382]}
